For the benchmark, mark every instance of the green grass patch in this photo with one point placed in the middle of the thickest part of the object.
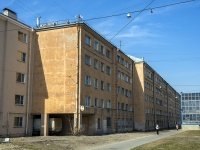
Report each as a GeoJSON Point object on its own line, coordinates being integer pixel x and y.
{"type": "Point", "coordinates": [188, 140]}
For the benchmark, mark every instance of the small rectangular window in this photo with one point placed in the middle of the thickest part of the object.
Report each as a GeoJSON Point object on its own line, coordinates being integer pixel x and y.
{"type": "Point", "coordinates": [102, 103]}
{"type": "Point", "coordinates": [108, 54]}
{"type": "Point", "coordinates": [19, 99]}
{"type": "Point", "coordinates": [87, 101]}
{"type": "Point", "coordinates": [108, 104]}
{"type": "Point", "coordinates": [87, 80]}
{"type": "Point", "coordinates": [95, 102]}
{"type": "Point", "coordinates": [87, 40]}
{"type": "Point", "coordinates": [20, 77]}
{"type": "Point", "coordinates": [102, 85]}
{"type": "Point", "coordinates": [118, 74]}
{"type": "Point", "coordinates": [21, 56]}
{"type": "Point", "coordinates": [102, 49]}
{"type": "Point", "coordinates": [22, 37]}
{"type": "Point", "coordinates": [108, 87]}
{"type": "Point", "coordinates": [87, 60]}
{"type": "Point", "coordinates": [95, 83]}
{"type": "Point", "coordinates": [18, 121]}
{"type": "Point", "coordinates": [108, 70]}
{"type": "Point", "coordinates": [96, 45]}
{"type": "Point", "coordinates": [95, 63]}
{"type": "Point", "coordinates": [102, 67]}
{"type": "Point", "coordinates": [122, 76]}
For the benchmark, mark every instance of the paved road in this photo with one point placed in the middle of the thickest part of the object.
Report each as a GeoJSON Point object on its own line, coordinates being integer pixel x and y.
{"type": "Point", "coordinates": [127, 145]}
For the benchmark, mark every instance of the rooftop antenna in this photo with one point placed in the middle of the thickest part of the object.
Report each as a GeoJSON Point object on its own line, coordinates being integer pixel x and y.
{"type": "Point", "coordinates": [38, 21]}
{"type": "Point", "coordinates": [79, 17]}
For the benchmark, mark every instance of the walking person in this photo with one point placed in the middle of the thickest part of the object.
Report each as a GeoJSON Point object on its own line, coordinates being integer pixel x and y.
{"type": "Point", "coordinates": [157, 129]}
{"type": "Point", "coordinates": [177, 127]}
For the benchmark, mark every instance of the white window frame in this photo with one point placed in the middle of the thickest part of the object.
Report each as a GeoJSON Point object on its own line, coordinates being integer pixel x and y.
{"type": "Point", "coordinates": [95, 63]}
{"type": "Point", "coordinates": [87, 101]}
{"type": "Point", "coordinates": [108, 87]}
{"type": "Point", "coordinates": [95, 83]}
{"type": "Point", "coordinates": [87, 80]}
{"type": "Point", "coordinates": [108, 104]}
{"type": "Point", "coordinates": [102, 49]}
{"type": "Point", "coordinates": [127, 78]}
{"type": "Point", "coordinates": [20, 77]}
{"type": "Point", "coordinates": [18, 121]}
{"type": "Point", "coordinates": [87, 40]}
{"type": "Point", "coordinates": [108, 70]}
{"type": "Point", "coordinates": [118, 74]}
{"type": "Point", "coordinates": [122, 76]}
{"type": "Point", "coordinates": [19, 99]}
{"type": "Point", "coordinates": [87, 60]}
{"type": "Point", "coordinates": [102, 103]}
{"type": "Point", "coordinates": [22, 37]}
{"type": "Point", "coordinates": [96, 45]}
{"type": "Point", "coordinates": [21, 56]}
{"type": "Point", "coordinates": [95, 102]}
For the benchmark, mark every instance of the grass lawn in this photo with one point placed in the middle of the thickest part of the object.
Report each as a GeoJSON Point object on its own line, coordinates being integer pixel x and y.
{"type": "Point", "coordinates": [188, 140]}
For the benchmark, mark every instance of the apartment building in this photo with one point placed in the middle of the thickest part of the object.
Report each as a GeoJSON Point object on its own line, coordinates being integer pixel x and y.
{"type": "Point", "coordinates": [83, 79]}
{"type": "Point", "coordinates": [16, 41]}
{"type": "Point", "coordinates": [190, 106]}
{"type": "Point", "coordinates": [66, 78]}
{"type": "Point", "coordinates": [155, 101]}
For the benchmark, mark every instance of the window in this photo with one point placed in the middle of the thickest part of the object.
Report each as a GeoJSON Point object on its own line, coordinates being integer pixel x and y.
{"type": "Point", "coordinates": [18, 121]}
{"type": "Point", "coordinates": [118, 89]}
{"type": "Point", "coordinates": [118, 58]}
{"type": "Point", "coordinates": [102, 85]}
{"type": "Point", "coordinates": [87, 40]}
{"type": "Point", "coordinates": [95, 63]}
{"type": "Point", "coordinates": [22, 37]}
{"type": "Point", "coordinates": [96, 45]}
{"type": "Point", "coordinates": [122, 61]}
{"type": "Point", "coordinates": [118, 74]}
{"type": "Point", "coordinates": [102, 67]}
{"type": "Point", "coordinates": [127, 78]}
{"type": "Point", "coordinates": [108, 104]}
{"type": "Point", "coordinates": [108, 121]}
{"type": "Point", "coordinates": [130, 80]}
{"type": "Point", "coordinates": [108, 70]}
{"type": "Point", "coordinates": [118, 122]}
{"type": "Point", "coordinates": [129, 66]}
{"type": "Point", "coordinates": [21, 56]}
{"type": "Point", "coordinates": [87, 80]}
{"type": "Point", "coordinates": [99, 123]}
{"type": "Point", "coordinates": [131, 108]}
{"type": "Point", "coordinates": [95, 83]}
{"type": "Point", "coordinates": [126, 107]}
{"type": "Point", "coordinates": [102, 49]}
{"type": "Point", "coordinates": [123, 91]}
{"type": "Point", "coordinates": [102, 103]}
{"type": "Point", "coordinates": [122, 76]}
{"type": "Point", "coordinates": [118, 105]}
{"type": "Point", "coordinates": [20, 77]}
{"type": "Point", "coordinates": [95, 102]}
{"type": "Point", "coordinates": [87, 60]}
{"type": "Point", "coordinates": [130, 94]}
{"type": "Point", "coordinates": [19, 99]}
{"type": "Point", "coordinates": [122, 106]}
{"type": "Point", "coordinates": [87, 101]}
{"type": "Point", "coordinates": [126, 93]}
{"type": "Point", "coordinates": [108, 54]}
{"type": "Point", "coordinates": [108, 87]}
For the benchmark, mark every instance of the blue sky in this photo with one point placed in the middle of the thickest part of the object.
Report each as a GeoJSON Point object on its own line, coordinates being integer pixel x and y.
{"type": "Point", "coordinates": [168, 39]}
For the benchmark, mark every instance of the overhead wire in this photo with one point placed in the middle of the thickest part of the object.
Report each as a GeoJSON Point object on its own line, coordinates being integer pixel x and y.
{"type": "Point", "coordinates": [62, 8]}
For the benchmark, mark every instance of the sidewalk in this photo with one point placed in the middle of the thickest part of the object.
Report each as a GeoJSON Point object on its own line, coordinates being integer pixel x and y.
{"type": "Point", "coordinates": [126, 145]}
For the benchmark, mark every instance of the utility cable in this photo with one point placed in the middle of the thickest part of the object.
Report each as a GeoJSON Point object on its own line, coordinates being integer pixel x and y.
{"type": "Point", "coordinates": [61, 7]}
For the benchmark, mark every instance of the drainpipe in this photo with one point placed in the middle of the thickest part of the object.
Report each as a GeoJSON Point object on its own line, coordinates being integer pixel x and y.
{"type": "Point", "coordinates": [29, 80]}
{"type": "Point", "coordinates": [78, 78]}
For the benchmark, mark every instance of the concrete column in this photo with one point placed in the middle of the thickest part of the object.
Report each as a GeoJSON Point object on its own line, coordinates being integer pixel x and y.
{"type": "Point", "coordinates": [44, 130]}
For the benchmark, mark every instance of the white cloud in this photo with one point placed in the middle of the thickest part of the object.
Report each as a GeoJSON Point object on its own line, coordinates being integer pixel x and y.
{"type": "Point", "coordinates": [137, 32]}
